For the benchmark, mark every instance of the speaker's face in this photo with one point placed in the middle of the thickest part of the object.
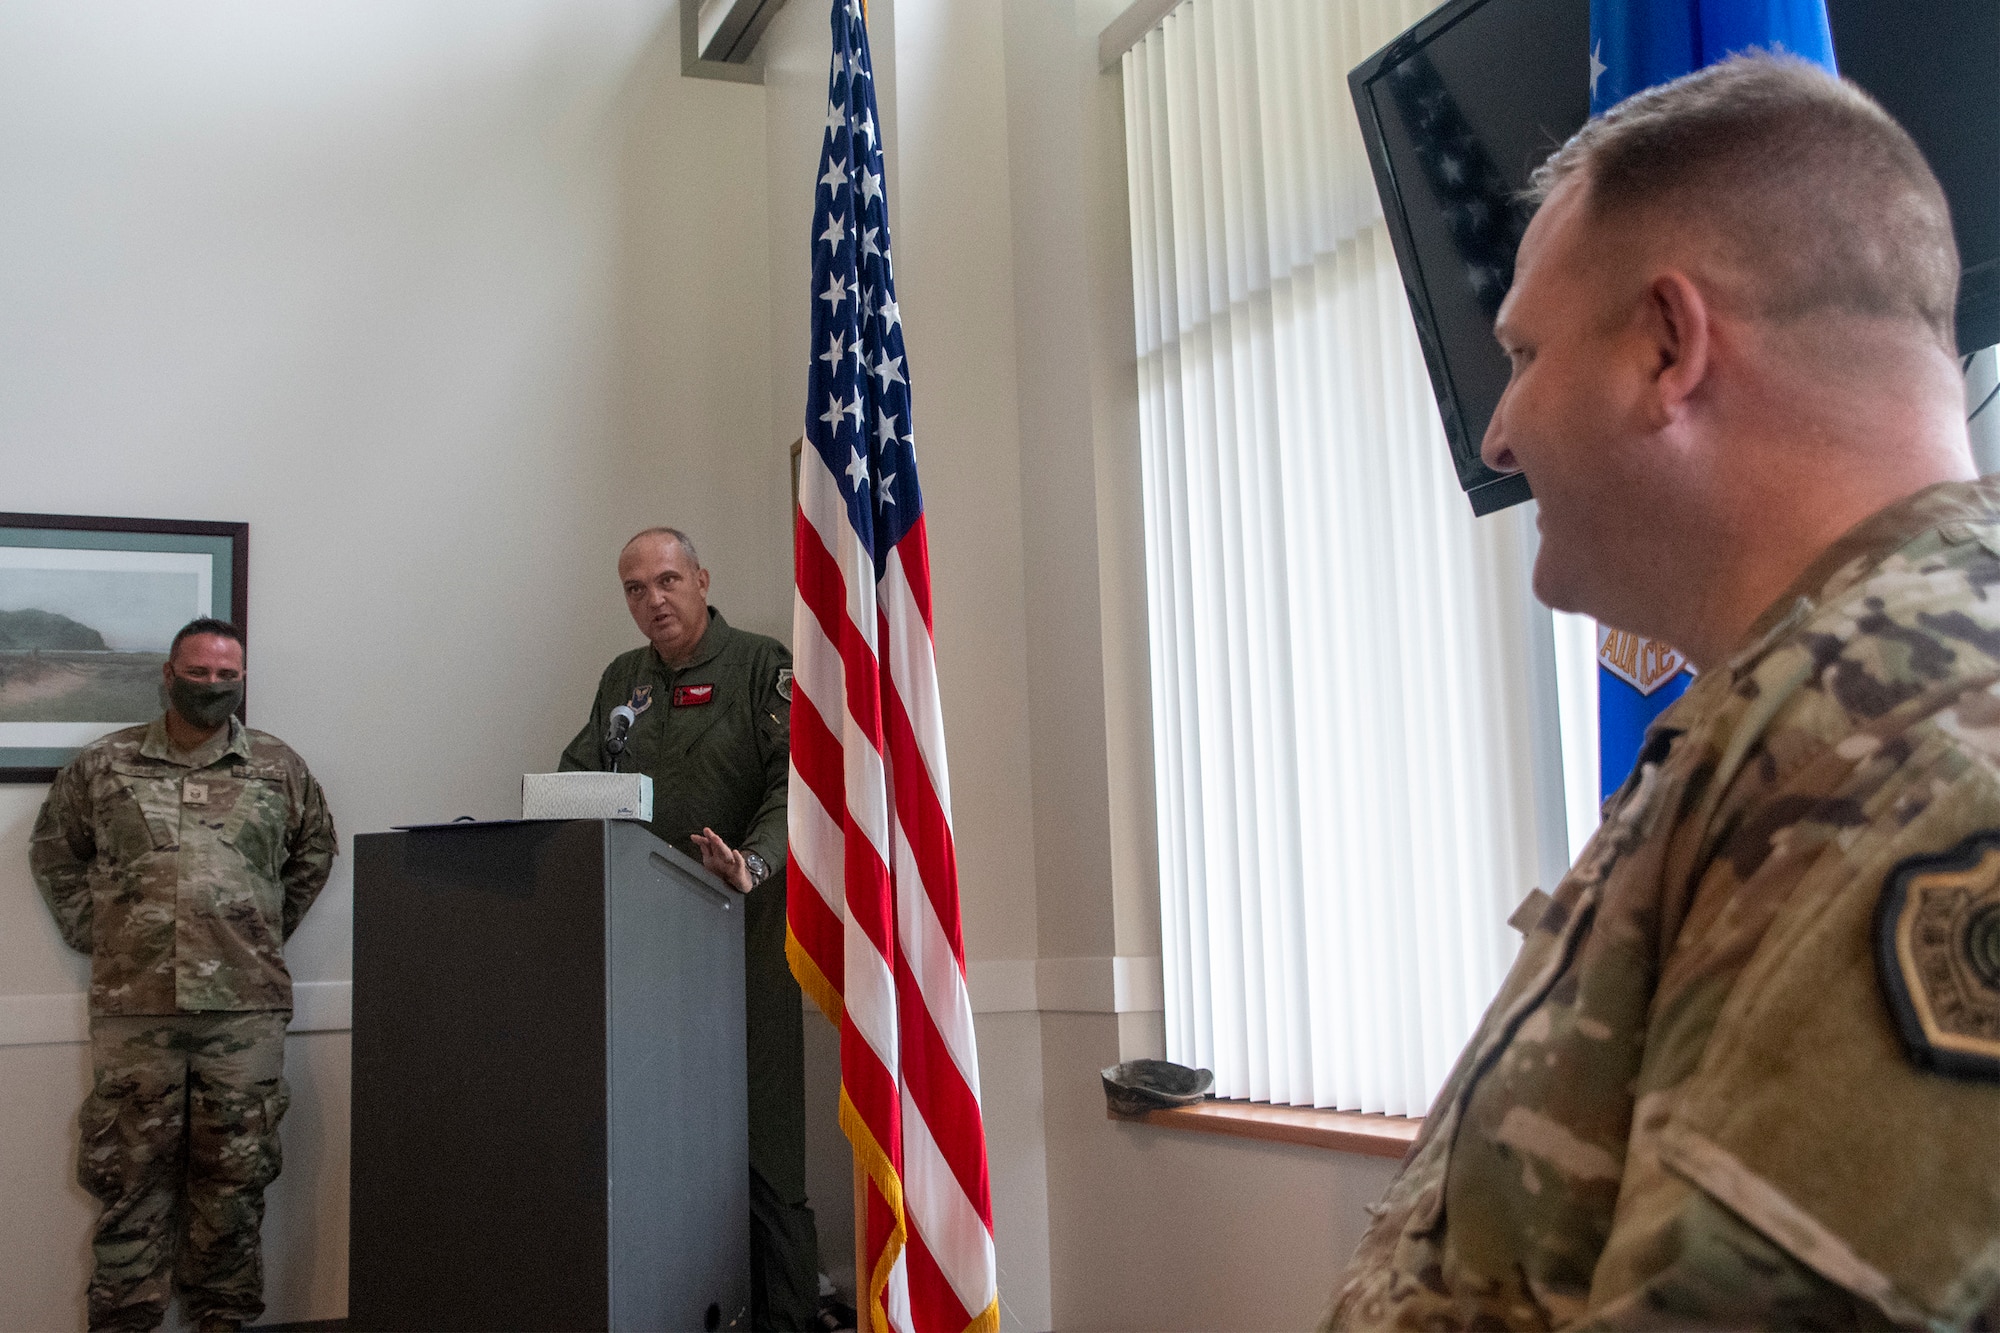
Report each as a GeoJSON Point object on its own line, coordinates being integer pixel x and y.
{"type": "Point", "coordinates": [666, 593]}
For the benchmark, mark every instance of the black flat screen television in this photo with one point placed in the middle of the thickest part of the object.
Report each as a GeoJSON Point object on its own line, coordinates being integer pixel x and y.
{"type": "Point", "coordinates": [1459, 110]}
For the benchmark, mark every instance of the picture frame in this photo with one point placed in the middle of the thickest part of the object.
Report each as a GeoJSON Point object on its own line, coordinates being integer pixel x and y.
{"type": "Point", "coordinates": [88, 607]}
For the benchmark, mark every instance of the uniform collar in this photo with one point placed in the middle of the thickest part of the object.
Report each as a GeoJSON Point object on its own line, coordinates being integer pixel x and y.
{"type": "Point", "coordinates": [158, 745]}
{"type": "Point", "coordinates": [1857, 554]}
{"type": "Point", "coordinates": [1851, 559]}
{"type": "Point", "coordinates": [713, 640]}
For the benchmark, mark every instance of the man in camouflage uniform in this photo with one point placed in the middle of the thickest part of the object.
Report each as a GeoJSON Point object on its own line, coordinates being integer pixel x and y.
{"type": "Point", "coordinates": [1743, 1072]}
{"type": "Point", "coordinates": [180, 855]}
{"type": "Point", "coordinates": [714, 733]}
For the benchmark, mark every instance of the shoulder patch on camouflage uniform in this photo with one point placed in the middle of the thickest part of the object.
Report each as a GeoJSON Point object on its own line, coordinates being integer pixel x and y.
{"type": "Point", "coordinates": [1937, 947]}
{"type": "Point", "coordinates": [785, 684]}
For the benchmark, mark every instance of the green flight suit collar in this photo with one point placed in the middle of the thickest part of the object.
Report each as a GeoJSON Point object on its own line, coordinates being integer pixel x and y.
{"type": "Point", "coordinates": [159, 745]}
{"type": "Point", "coordinates": [713, 640]}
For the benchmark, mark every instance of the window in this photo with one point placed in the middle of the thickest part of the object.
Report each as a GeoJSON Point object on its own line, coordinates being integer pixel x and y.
{"type": "Point", "coordinates": [1341, 653]}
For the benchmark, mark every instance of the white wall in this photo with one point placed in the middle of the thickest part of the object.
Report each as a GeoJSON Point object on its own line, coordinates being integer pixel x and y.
{"type": "Point", "coordinates": [445, 300]}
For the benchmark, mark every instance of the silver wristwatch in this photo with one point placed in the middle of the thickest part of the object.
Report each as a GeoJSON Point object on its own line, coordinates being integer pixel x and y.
{"type": "Point", "coordinates": [759, 872]}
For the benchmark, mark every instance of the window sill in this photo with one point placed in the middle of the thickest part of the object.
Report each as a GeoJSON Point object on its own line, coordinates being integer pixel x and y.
{"type": "Point", "coordinates": [1342, 1131]}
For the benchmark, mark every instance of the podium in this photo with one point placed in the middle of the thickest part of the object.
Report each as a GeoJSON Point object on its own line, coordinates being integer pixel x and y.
{"type": "Point", "coordinates": [549, 1111]}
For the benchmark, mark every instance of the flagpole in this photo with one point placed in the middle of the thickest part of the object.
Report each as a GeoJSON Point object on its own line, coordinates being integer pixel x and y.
{"type": "Point", "coordinates": [862, 1322]}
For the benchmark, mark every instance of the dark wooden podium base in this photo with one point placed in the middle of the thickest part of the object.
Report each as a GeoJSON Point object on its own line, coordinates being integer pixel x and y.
{"type": "Point", "coordinates": [549, 1090]}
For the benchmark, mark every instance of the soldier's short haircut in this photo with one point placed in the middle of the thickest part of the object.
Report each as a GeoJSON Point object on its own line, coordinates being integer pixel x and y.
{"type": "Point", "coordinates": [675, 533]}
{"type": "Point", "coordinates": [204, 625]}
{"type": "Point", "coordinates": [1815, 199]}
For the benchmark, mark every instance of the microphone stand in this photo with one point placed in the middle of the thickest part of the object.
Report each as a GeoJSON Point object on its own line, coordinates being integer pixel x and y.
{"type": "Point", "coordinates": [619, 733]}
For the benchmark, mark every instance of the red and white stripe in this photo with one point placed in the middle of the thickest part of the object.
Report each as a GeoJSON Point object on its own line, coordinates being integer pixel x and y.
{"type": "Point", "coordinates": [874, 915]}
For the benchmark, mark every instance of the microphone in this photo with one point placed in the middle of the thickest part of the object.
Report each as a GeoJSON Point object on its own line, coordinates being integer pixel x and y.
{"type": "Point", "coordinates": [622, 718]}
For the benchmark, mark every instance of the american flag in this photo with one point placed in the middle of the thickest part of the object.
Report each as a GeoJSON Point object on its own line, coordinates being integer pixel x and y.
{"type": "Point", "coordinates": [872, 878]}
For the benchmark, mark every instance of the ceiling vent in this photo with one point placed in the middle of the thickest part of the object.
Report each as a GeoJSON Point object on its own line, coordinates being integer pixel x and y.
{"type": "Point", "coordinates": [719, 38]}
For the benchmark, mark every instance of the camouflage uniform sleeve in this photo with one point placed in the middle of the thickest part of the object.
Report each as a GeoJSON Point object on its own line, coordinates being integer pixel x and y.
{"type": "Point", "coordinates": [310, 851]}
{"type": "Point", "coordinates": [767, 833]}
{"type": "Point", "coordinates": [60, 851]}
{"type": "Point", "coordinates": [1725, 1274]}
{"type": "Point", "coordinates": [1796, 1166]}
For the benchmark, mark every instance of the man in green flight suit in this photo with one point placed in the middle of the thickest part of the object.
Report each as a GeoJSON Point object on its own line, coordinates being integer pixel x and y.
{"type": "Point", "coordinates": [1745, 1072]}
{"type": "Point", "coordinates": [714, 734]}
{"type": "Point", "coordinates": [180, 855]}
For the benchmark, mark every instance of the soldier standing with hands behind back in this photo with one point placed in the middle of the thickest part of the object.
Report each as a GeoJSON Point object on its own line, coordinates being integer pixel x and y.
{"type": "Point", "coordinates": [180, 855]}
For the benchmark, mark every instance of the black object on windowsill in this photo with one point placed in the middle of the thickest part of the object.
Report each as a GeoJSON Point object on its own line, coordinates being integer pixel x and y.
{"type": "Point", "coordinates": [1138, 1086]}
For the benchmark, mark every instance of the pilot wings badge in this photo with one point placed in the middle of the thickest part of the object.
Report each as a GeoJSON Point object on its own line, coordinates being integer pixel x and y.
{"type": "Point", "coordinates": [1937, 948]}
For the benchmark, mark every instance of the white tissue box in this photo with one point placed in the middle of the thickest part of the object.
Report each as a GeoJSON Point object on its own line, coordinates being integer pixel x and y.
{"type": "Point", "coordinates": [586, 796]}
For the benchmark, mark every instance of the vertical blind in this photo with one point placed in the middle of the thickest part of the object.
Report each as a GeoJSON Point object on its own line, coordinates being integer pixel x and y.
{"type": "Point", "coordinates": [1339, 663]}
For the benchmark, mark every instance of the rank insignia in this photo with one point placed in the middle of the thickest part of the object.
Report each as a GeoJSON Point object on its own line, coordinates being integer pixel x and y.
{"type": "Point", "coordinates": [693, 696]}
{"type": "Point", "coordinates": [785, 684]}
{"type": "Point", "coordinates": [642, 698]}
{"type": "Point", "coordinates": [194, 793]}
{"type": "Point", "coordinates": [1937, 947]}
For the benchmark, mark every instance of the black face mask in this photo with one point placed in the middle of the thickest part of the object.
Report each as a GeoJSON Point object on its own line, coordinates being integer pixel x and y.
{"type": "Point", "coordinates": [204, 703]}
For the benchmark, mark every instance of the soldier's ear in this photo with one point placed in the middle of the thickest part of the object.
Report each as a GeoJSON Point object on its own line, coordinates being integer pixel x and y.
{"type": "Point", "coordinates": [1675, 321]}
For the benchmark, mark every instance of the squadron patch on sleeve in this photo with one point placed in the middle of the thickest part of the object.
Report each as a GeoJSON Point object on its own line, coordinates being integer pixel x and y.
{"type": "Point", "coordinates": [1937, 947]}
{"type": "Point", "coordinates": [785, 684]}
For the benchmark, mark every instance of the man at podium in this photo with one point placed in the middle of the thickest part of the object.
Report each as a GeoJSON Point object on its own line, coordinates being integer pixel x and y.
{"type": "Point", "coordinates": [712, 728]}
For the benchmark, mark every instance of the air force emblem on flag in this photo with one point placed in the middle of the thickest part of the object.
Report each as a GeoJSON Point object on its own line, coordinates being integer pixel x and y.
{"type": "Point", "coordinates": [1937, 948]}
{"type": "Point", "coordinates": [1644, 664]}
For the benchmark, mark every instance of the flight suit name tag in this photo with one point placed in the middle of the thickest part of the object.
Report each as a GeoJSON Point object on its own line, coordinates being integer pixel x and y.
{"type": "Point", "coordinates": [194, 793]}
{"type": "Point", "coordinates": [693, 696]}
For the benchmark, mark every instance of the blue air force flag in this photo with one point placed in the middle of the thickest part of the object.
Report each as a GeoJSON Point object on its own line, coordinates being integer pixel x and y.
{"type": "Point", "coordinates": [1635, 44]}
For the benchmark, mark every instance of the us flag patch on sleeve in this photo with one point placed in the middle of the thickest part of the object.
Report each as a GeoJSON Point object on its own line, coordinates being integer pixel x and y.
{"type": "Point", "coordinates": [1937, 948]}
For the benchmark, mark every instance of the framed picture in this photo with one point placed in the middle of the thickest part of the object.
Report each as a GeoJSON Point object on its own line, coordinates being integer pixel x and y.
{"type": "Point", "coordinates": [88, 608]}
